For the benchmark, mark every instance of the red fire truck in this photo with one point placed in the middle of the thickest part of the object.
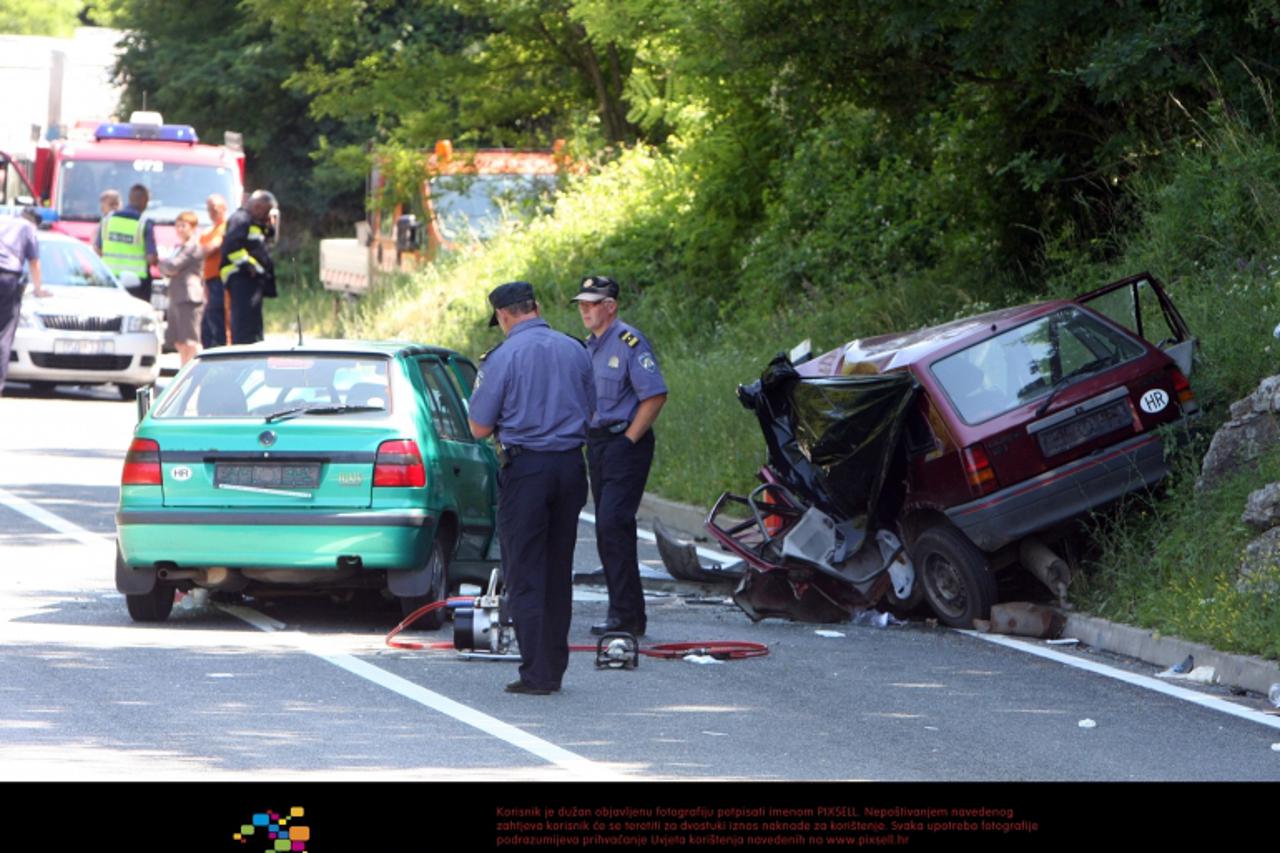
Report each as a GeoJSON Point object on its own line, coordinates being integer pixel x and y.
{"type": "Point", "coordinates": [168, 159]}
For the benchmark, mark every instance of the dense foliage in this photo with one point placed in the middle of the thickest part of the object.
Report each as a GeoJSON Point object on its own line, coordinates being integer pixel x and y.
{"type": "Point", "coordinates": [763, 171]}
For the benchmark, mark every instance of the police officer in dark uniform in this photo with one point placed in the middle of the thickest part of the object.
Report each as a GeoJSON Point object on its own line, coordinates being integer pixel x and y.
{"type": "Point", "coordinates": [630, 392]}
{"type": "Point", "coordinates": [535, 392]}
{"type": "Point", "coordinates": [247, 269]}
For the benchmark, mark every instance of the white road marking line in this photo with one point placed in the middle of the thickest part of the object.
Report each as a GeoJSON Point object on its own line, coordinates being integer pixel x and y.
{"type": "Point", "coordinates": [582, 768]}
{"type": "Point", "coordinates": [48, 519]}
{"type": "Point", "coordinates": [1213, 703]}
{"type": "Point", "coordinates": [570, 760]}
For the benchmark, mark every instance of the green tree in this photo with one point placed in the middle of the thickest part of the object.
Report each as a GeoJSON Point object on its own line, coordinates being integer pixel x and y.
{"type": "Point", "coordinates": [218, 68]}
{"type": "Point", "coordinates": [44, 18]}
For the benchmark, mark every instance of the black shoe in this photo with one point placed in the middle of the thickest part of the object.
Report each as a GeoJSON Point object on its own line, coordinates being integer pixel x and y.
{"type": "Point", "coordinates": [519, 686]}
{"type": "Point", "coordinates": [611, 627]}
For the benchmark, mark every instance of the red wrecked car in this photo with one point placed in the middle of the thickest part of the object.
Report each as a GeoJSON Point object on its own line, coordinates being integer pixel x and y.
{"type": "Point", "coordinates": [917, 466]}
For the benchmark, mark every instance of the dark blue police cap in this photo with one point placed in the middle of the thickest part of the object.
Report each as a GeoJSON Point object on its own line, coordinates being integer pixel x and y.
{"type": "Point", "coordinates": [595, 288]}
{"type": "Point", "coordinates": [506, 295]}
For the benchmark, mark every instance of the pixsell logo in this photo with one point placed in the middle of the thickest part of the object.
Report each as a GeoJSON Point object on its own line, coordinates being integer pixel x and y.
{"type": "Point", "coordinates": [273, 833]}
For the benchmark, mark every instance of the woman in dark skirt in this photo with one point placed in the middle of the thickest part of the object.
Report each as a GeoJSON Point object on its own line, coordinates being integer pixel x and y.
{"type": "Point", "coordinates": [186, 289]}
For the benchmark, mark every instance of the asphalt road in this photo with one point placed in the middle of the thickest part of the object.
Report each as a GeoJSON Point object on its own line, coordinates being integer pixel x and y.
{"type": "Point", "coordinates": [308, 689]}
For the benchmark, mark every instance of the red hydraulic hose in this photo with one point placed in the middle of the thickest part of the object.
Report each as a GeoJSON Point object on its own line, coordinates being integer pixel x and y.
{"type": "Point", "coordinates": [718, 649]}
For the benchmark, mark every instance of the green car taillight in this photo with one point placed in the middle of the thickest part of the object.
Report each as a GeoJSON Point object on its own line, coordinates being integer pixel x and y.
{"type": "Point", "coordinates": [399, 464]}
{"type": "Point", "coordinates": [142, 464]}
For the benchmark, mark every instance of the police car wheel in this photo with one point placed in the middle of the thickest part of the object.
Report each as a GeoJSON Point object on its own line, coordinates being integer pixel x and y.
{"type": "Point", "coordinates": [438, 590]}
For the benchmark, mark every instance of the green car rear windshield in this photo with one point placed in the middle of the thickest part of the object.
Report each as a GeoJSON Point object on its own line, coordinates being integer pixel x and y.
{"type": "Point", "coordinates": [1027, 362]}
{"type": "Point", "coordinates": [260, 386]}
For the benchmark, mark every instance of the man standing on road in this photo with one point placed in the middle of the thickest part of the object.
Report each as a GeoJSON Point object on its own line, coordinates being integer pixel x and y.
{"type": "Point", "coordinates": [213, 329]}
{"type": "Point", "coordinates": [18, 245]}
{"type": "Point", "coordinates": [129, 241]}
{"type": "Point", "coordinates": [535, 392]}
{"type": "Point", "coordinates": [630, 392]}
{"type": "Point", "coordinates": [247, 269]}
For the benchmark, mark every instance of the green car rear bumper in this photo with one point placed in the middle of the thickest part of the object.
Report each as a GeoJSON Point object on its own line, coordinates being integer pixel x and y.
{"type": "Point", "coordinates": [196, 539]}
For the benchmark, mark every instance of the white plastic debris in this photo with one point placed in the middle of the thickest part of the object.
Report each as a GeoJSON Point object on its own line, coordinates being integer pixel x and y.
{"type": "Point", "coordinates": [1203, 675]}
{"type": "Point", "coordinates": [1065, 641]}
{"type": "Point", "coordinates": [873, 619]}
{"type": "Point", "coordinates": [1275, 747]}
{"type": "Point", "coordinates": [825, 633]}
{"type": "Point", "coordinates": [1200, 675]}
{"type": "Point", "coordinates": [1273, 695]}
{"type": "Point", "coordinates": [1087, 724]}
{"type": "Point", "coordinates": [701, 659]}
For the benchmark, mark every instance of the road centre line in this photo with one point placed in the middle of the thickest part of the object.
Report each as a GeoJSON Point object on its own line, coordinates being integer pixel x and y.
{"type": "Point", "coordinates": [478, 719]}
{"type": "Point", "coordinates": [582, 768]}
{"type": "Point", "coordinates": [1213, 703]}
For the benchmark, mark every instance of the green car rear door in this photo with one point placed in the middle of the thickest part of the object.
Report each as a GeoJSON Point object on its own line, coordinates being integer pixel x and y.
{"type": "Point", "coordinates": [467, 466]}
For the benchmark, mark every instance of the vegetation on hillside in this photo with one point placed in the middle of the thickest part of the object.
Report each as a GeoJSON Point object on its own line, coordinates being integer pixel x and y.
{"type": "Point", "coordinates": [764, 172]}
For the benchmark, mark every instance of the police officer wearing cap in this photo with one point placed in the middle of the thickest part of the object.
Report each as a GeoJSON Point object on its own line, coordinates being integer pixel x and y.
{"type": "Point", "coordinates": [535, 392]}
{"type": "Point", "coordinates": [630, 392]}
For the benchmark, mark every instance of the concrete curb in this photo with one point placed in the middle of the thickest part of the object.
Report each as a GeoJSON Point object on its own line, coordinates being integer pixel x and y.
{"type": "Point", "coordinates": [1251, 673]}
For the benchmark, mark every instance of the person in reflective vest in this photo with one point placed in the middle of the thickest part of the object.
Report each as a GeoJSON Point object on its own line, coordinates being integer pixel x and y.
{"type": "Point", "coordinates": [247, 270]}
{"type": "Point", "coordinates": [129, 241]}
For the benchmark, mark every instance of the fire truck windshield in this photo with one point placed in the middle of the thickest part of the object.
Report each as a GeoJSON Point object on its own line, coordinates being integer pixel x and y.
{"type": "Point", "coordinates": [174, 187]}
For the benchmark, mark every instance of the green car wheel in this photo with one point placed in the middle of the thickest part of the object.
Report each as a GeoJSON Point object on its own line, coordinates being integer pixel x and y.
{"type": "Point", "coordinates": [154, 606]}
{"type": "Point", "coordinates": [438, 566]}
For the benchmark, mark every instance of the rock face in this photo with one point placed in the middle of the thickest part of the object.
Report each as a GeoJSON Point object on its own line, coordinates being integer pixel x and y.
{"type": "Point", "coordinates": [1260, 568]}
{"type": "Point", "coordinates": [1238, 443]}
{"type": "Point", "coordinates": [1254, 429]}
{"type": "Point", "coordinates": [1262, 510]}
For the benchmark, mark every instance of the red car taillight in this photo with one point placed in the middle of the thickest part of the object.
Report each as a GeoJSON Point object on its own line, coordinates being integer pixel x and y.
{"type": "Point", "coordinates": [977, 470]}
{"type": "Point", "coordinates": [1182, 391]}
{"type": "Point", "coordinates": [141, 464]}
{"type": "Point", "coordinates": [399, 464]}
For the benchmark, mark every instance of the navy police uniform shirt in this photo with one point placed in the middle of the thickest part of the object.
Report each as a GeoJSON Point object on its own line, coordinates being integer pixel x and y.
{"type": "Point", "coordinates": [536, 389]}
{"type": "Point", "coordinates": [626, 372]}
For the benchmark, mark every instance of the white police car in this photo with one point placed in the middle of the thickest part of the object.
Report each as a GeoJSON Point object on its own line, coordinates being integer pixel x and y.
{"type": "Point", "coordinates": [89, 330]}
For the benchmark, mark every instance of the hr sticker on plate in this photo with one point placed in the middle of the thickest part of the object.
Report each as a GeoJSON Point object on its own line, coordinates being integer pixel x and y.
{"type": "Point", "coordinates": [180, 473]}
{"type": "Point", "coordinates": [1154, 401]}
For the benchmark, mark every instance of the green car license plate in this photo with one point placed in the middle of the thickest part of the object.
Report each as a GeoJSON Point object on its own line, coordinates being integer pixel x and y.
{"type": "Point", "coordinates": [268, 475]}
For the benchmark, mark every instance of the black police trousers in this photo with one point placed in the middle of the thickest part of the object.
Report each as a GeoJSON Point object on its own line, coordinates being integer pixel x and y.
{"type": "Point", "coordinates": [619, 470]}
{"type": "Point", "coordinates": [246, 307]}
{"type": "Point", "coordinates": [213, 328]}
{"type": "Point", "coordinates": [540, 494]}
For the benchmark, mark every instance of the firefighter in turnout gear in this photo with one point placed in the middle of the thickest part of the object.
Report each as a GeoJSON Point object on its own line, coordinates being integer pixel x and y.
{"type": "Point", "coordinates": [247, 269]}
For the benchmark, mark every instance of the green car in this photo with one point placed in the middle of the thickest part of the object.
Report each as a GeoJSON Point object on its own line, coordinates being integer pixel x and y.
{"type": "Point", "coordinates": [332, 466]}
